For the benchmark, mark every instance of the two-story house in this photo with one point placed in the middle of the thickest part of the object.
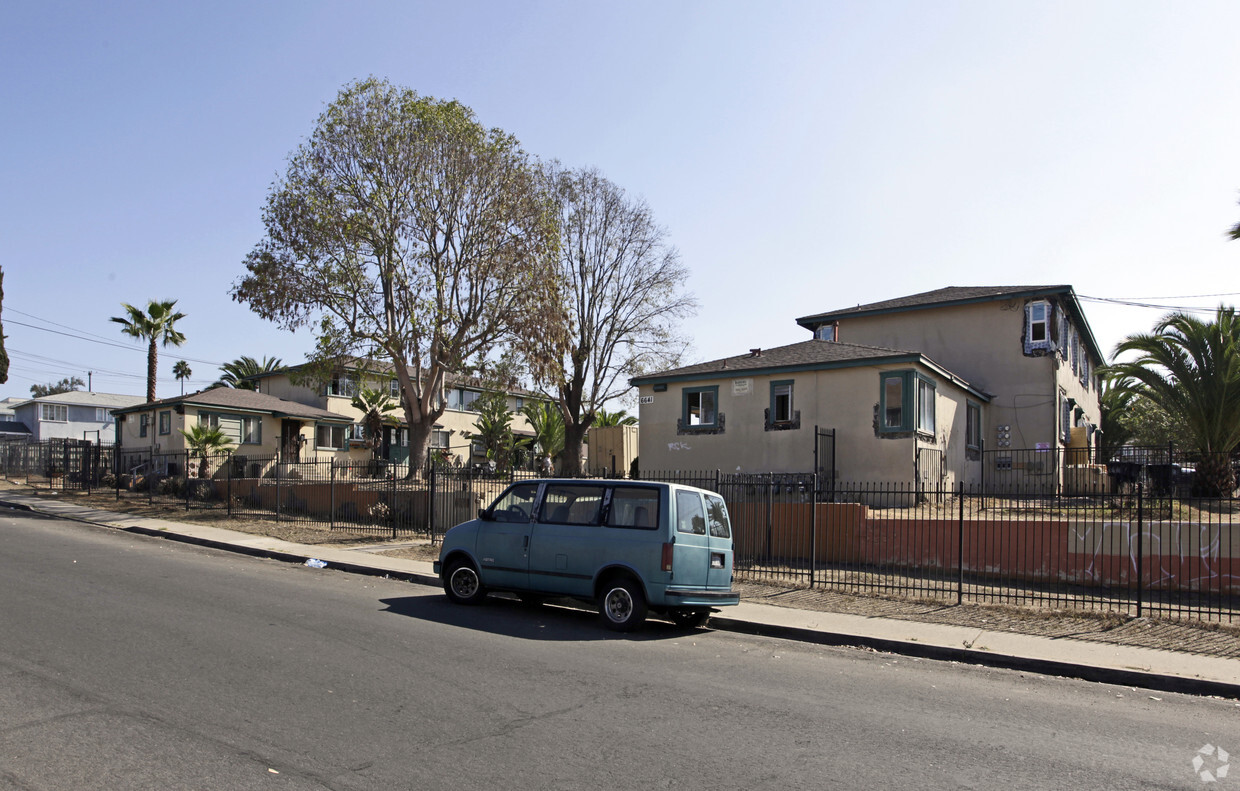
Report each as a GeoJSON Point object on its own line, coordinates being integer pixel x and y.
{"type": "Point", "coordinates": [72, 415]}
{"type": "Point", "coordinates": [936, 384]}
{"type": "Point", "coordinates": [335, 394]}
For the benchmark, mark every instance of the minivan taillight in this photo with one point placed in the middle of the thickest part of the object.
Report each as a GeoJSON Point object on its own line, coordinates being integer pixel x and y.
{"type": "Point", "coordinates": [667, 556]}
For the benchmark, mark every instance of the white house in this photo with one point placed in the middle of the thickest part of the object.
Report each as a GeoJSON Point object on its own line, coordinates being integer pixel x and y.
{"type": "Point", "coordinates": [73, 415]}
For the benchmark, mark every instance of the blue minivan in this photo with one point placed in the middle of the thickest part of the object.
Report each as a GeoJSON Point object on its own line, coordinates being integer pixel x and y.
{"type": "Point", "coordinates": [632, 547]}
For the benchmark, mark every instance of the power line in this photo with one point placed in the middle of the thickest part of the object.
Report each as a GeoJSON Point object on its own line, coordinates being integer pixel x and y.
{"type": "Point", "coordinates": [108, 343]}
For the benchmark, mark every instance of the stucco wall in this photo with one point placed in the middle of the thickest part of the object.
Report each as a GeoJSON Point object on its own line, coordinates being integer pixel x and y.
{"type": "Point", "coordinates": [843, 399]}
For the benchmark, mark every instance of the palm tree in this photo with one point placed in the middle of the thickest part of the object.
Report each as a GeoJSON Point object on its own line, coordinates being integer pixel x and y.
{"type": "Point", "coordinates": [205, 441]}
{"type": "Point", "coordinates": [494, 426]}
{"type": "Point", "coordinates": [1191, 368]}
{"type": "Point", "coordinates": [375, 406]}
{"type": "Point", "coordinates": [182, 372]}
{"type": "Point", "coordinates": [155, 325]}
{"type": "Point", "coordinates": [548, 425]}
{"type": "Point", "coordinates": [620, 417]}
{"type": "Point", "coordinates": [237, 372]}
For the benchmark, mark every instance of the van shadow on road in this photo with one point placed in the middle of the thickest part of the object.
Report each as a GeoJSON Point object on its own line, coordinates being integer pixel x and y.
{"type": "Point", "coordinates": [557, 621]}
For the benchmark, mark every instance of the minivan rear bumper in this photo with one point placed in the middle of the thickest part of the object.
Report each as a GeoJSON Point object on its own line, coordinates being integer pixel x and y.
{"type": "Point", "coordinates": [702, 598]}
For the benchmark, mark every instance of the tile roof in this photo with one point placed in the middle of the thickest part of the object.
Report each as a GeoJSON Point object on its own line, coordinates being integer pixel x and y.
{"type": "Point", "coordinates": [248, 400]}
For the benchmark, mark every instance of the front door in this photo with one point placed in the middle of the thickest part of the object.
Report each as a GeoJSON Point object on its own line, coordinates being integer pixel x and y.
{"type": "Point", "coordinates": [504, 540]}
{"type": "Point", "coordinates": [290, 440]}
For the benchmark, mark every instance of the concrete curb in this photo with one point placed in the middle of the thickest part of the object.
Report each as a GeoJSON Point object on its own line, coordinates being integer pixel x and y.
{"type": "Point", "coordinates": [1104, 675]}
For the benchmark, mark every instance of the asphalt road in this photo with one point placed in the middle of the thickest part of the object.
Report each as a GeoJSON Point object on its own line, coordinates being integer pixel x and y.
{"type": "Point", "coordinates": [130, 663]}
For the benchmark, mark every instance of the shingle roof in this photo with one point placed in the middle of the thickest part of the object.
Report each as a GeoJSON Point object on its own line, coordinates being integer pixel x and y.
{"type": "Point", "coordinates": [13, 427]}
{"type": "Point", "coordinates": [942, 296]}
{"type": "Point", "coordinates": [247, 400]}
{"type": "Point", "coordinates": [806, 355]}
{"type": "Point", "coordinates": [85, 398]}
{"type": "Point", "coordinates": [384, 368]}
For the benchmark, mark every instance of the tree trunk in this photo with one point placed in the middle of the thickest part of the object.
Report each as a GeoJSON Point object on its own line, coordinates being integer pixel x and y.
{"type": "Point", "coordinates": [152, 358]}
{"type": "Point", "coordinates": [1214, 477]}
{"type": "Point", "coordinates": [419, 446]}
{"type": "Point", "coordinates": [570, 457]}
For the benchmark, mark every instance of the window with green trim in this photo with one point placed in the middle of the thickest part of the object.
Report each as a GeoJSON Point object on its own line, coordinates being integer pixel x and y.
{"type": "Point", "coordinates": [165, 422]}
{"type": "Point", "coordinates": [781, 401]}
{"type": "Point", "coordinates": [906, 402]}
{"type": "Point", "coordinates": [700, 407]}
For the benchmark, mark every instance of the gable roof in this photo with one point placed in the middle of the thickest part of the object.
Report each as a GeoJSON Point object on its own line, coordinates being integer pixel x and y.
{"type": "Point", "coordinates": [238, 400]}
{"type": "Point", "coordinates": [963, 295]}
{"type": "Point", "coordinates": [811, 355]}
{"type": "Point", "coordinates": [384, 368]}
{"type": "Point", "coordinates": [83, 398]}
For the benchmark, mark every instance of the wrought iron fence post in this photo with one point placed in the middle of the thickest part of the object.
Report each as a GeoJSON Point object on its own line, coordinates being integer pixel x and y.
{"type": "Point", "coordinates": [228, 487]}
{"type": "Point", "coordinates": [392, 503]}
{"type": "Point", "coordinates": [1140, 558]}
{"type": "Point", "coordinates": [430, 503]}
{"type": "Point", "coordinates": [960, 549]}
{"type": "Point", "coordinates": [331, 494]}
{"type": "Point", "coordinates": [185, 467]}
{"type": "Point", "coordinates": [276, 470]}
{"type": "Point", "coordinates": [813, 525]}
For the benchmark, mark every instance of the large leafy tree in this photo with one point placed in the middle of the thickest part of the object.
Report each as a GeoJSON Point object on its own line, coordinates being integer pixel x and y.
{"type": "Point", "coordinates": [1190, 368]}
{"type": "Point", "coordinates": [155, 325]}
{"type": "Point", "coordinates": [236, 373]}
{"type": "Point", "coordinates": [404, 230]}
{"type": "Point", "coordinates": [66, 385]}
{"type": "Point", "coordinates": [621, 298]}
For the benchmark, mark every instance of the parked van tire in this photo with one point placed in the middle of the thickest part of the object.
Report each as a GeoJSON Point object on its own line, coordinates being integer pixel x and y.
{"type": "Point", "coordinates": [461, 583]}
{"type": "Point", "coordinates": [623, 604]}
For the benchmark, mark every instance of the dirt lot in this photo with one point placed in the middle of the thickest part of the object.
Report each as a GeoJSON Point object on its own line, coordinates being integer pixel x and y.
{"type": "Point", "coordinates": [1211, 639]}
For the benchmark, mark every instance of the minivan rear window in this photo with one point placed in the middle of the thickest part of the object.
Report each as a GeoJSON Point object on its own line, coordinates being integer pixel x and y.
{"type": "Point", "coordinates": [689, 516]}
{"type": "Point", "coordinates": [634, 506]}
{"type": "Point", "coordinates": [717, 516]}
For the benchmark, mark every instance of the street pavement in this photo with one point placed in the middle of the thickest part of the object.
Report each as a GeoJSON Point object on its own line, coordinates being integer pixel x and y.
{"type": "Point", "coordinates": [1132, 666]}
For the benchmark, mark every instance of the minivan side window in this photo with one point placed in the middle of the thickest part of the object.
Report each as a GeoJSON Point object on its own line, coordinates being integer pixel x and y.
{"type": "Point", "coordinates": [516, 504]}
{"type": "Point", "coordinates": [572, 505]}
{"type": "Point", "coordinates": [634, 506]}
{"type": "Point", "coordinates": [717, 516]}
{"type": "Point", "coordinates": [689, 516]}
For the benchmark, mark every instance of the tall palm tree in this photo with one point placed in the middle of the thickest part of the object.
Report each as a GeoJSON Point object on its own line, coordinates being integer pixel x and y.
{"type": "Point", "coordinates": [182, 372]}
{"type": "Point", "coordinates": [154, 325]}
{"type": "Point", "coordinates": [1191, 368]}
{"type": "Point", "coordinates": [237, 372]}
{"type": "Point", "coordinates": [205, 441]}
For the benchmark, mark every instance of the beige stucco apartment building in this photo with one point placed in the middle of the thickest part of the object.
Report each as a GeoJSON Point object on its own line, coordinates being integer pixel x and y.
{"type": "Point", "coordinates": [933, 384]}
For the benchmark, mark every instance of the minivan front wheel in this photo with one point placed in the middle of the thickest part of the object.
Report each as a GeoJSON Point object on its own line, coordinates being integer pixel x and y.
{"type": "Point", "coordinates": [462, 584]}
{"type": "Point", "coordinates": [624, 605]}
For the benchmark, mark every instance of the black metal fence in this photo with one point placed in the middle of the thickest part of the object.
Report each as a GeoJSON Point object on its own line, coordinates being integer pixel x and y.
{"type": "Point", "coordinates": [1143, 550]}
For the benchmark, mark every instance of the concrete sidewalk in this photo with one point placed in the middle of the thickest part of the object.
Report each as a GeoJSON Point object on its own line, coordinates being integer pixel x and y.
{"type": "Point", "coordinates": [1115, 664]}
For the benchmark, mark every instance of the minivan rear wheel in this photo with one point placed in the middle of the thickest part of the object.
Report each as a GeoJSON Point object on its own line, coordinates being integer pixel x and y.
{"type": "Point", "coordinates": [624, 605]}
{"type": "Point", "coordinates": [462, 584]}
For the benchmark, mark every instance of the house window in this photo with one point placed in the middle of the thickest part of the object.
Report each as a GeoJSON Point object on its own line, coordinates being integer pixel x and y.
{"type": "Point", "coordinates": [165, 422]}
{"type": "Point", "coordinates": [925, 406]}
{"type": "Point", "coordinates": [462, 399]}
{"type": "Point", "coordinates": [101, 415]}
{"type": "Point", "coordinates": [699, 408]}
{"type": "Point", "coordinates": [55, 412]}
{"type": "Point", "coordinates": [342, 385]}
{"type": "Point", "coordinates": [357, 431]}
{"type": "Point", "coordinates": [1065, 418]}
{"type": "Point", "coordinates": [394, 388]}
{"type": "Point", "coordinates": [251, 431]}
{"type": "Point", "coordinates": [1038, 318]}
{"type": "Point", "coordinates": [906, 402]}
{"type": "Point", "coordinates": [826, 332]}
{"type": "Point", "coordinates": [144, 420]}
{"type": "Point", "coordinates": [1076, 352]}
{"type": "Point", "coordinates": [331, 437]}
{"type": "Point", "coordinates": [1084, 368]}
{"type": "Point", "coordinates": [973, 426]}
{"type": "Point", "coordinates": [242, 429]}
{"type": "Point", "coordinates": [439, 437]}
{"type": "Point", "coordinates": [781, 401]}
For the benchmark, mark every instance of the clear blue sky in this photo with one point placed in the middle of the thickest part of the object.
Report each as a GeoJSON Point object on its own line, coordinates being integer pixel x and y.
{"type": "Point", "coordinates": [804, 156]}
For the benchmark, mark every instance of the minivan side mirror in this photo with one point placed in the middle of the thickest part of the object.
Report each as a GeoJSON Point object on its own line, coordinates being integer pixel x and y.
{"type": "Point", "coordinates": [485, 515]}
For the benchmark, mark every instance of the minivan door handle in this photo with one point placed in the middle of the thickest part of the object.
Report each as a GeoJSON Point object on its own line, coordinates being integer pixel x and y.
{"type": "Point", "coordinates": [525, 542]}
